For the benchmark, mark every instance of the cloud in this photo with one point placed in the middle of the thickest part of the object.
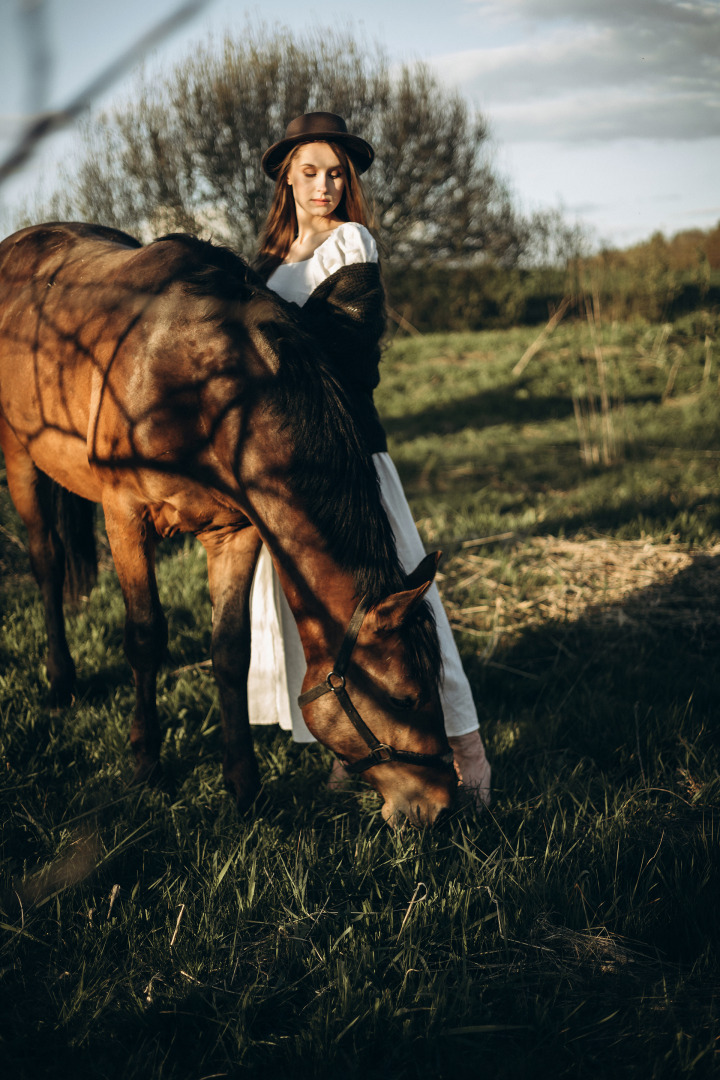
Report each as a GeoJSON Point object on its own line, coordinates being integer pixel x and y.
{"type": "Point", "coordinates": [703, 211]}
{"type": "Point", "coordinates": [647, 18]}
{"type": "Point", "coordinates": [601, 69]}
{"type": "Point", "coordinates": [590, 116]}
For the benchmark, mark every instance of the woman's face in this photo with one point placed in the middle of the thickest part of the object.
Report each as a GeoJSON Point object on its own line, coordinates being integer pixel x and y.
{"type": "Point", "coordinates": [317, 180]}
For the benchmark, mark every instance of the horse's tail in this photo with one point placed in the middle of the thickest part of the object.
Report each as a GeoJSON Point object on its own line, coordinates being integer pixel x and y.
{"type": "Point", "coordinates": [74, 520]}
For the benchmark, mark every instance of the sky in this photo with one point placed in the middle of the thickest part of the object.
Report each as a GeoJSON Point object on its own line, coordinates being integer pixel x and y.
{"type": "Point", "coordinates": [606, 109]}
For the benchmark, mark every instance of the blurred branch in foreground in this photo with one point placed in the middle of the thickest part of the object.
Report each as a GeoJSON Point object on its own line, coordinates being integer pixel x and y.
{"type": "Point", "coordinates": [50, 122]}
{"type": "Point", "coordinates": [34, 26]}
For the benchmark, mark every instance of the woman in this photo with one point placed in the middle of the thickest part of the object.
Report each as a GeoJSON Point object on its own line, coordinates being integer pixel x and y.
{"type": "Point", "coordinates": [316, 252]}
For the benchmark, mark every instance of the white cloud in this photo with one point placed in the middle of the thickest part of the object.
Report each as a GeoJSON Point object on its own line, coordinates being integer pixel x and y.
{"type": "Point", "coordinates": [639, 13]}
{"type": "Point", "coordinates": [590, 116]}
{"type": "Point", "coordinates": [600, 69]}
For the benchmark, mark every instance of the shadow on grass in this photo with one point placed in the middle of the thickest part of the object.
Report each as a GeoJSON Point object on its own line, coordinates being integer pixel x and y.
{"type": "Point", "coordinates": [566, 496]}
{"type": "Point", "coordinates": [658, 644]}
{"type": "Point", "coordinates": [622, 707]}
{"type": "Point", "coordinates": [615, 718]}
{"type": "Point", "coordinates": [96, 688]}
{"type": "Point", "coordinates": [657, 515]}
{"type": "Point", "coordinates": [625, 699]}
{"type": "Point", "coordinates": [514, 403]}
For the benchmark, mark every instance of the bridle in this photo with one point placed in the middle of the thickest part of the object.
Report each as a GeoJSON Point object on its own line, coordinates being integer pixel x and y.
{"type": "Point", "coordinates": [335, 681]}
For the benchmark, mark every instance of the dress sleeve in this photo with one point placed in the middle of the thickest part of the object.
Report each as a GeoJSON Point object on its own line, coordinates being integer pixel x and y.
{"type": "Point", "coordinates": [350, 243]}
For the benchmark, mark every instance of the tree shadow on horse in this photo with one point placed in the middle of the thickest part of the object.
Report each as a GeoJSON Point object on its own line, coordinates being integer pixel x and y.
{"type": "Point", "coordinates": [169, 385]}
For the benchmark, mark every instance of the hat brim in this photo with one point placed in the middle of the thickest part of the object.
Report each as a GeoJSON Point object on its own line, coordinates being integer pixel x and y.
{"type": "Point", "coordinates": [360, 152]}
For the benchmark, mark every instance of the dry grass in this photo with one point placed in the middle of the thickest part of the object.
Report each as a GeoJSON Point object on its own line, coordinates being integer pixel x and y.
{"type": "Point", "coordinates": [547, 579]}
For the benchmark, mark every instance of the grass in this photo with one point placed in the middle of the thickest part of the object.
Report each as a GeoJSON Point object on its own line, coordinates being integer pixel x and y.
{"type": "Point", "coordinates": [482, 452]}
{"type": "Point", "coordinates": [571, 931]}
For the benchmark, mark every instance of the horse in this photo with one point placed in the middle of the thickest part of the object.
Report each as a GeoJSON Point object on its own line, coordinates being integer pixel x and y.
{"type": "Point", "coordinates": [168, 384]}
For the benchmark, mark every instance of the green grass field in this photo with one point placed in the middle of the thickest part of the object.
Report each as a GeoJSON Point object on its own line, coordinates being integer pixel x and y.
{"type": "Point", "coordinates": [571, 931]}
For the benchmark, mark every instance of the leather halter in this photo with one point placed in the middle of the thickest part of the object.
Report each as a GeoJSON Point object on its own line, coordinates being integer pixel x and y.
{"type": "Point", "coordinates": [335, 682]}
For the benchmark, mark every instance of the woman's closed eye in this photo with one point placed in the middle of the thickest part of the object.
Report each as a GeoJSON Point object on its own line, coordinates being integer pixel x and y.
{"type": "Point", "coordinates": [334, 175]}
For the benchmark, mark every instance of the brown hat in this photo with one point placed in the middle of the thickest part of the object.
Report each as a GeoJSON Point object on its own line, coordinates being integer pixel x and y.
{"type": "Point", "coordinates": [318, 127]}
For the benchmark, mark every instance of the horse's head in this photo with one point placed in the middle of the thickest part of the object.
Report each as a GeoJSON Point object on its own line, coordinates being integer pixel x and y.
{"type": "Point", "coordinates": [377, 706]}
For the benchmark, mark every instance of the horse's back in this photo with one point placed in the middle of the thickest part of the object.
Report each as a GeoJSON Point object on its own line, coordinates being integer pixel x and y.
{"type": "Point", "coordinates": [79, 254]}
{"type": "Point", "coordinates": [25, 252]}
{"type": "Point", "coordinates": [115, 355]}
{"type": "Point", "coordinates": [56, 234]}
{"type": "Point", "coordinates": [76, 299]}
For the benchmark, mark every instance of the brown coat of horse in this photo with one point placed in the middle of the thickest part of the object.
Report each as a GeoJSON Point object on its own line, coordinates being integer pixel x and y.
{"type": "Point", "coordinates": [167, 384]}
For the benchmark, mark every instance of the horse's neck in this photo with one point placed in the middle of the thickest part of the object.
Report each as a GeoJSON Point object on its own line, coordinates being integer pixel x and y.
{"type": "Point", "coordinates": [321, 594]}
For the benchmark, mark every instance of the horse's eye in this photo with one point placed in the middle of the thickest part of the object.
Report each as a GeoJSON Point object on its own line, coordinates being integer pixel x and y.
{"type": "Point", "coordinates": [405, 703]}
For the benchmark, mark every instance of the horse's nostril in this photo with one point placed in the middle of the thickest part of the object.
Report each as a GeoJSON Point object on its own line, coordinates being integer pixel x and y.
{"type": "Point", "coordinates": [442, 819]}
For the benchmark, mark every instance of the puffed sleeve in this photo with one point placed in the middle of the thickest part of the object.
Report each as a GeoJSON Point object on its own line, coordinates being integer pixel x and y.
{"type": "Point", "coordinates": [350, 243]}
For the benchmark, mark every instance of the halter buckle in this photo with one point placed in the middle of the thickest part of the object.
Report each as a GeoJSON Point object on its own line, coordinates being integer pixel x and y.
{"type": "Point", "coordinates": [383, 752]}
{"type": "Point", "coordinates": [329, 680]}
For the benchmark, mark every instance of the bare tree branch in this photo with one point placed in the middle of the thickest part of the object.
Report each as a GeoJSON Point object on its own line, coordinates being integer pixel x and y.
{"type": "Point", "coordinates": [50, 122]}
{"type": "Point", "coordinates": [33, 19]}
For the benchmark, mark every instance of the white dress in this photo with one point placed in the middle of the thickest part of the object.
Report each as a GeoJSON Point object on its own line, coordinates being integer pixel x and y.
{"type": "Point", "coordinates": [277, 662]}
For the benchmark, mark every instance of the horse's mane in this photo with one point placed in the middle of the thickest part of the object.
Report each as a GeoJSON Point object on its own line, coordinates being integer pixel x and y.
{"type": "Point", "coordinates": [332, 472]}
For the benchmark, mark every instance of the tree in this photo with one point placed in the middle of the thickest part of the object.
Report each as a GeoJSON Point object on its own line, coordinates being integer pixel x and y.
{"type": "Point", "coordinates": [184, 154]}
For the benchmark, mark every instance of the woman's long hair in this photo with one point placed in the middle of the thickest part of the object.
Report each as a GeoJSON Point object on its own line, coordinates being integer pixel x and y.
{"type": "Point", "coordinates": [281, 226]}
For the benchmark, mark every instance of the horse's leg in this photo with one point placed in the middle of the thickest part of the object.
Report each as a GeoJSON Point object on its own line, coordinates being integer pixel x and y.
{"type": "Point", "coordinates": [231, 563]}
{"type": "Point", "coordinates": [30, 492]}
{"type": "Point", "coordinates": [133, 541]}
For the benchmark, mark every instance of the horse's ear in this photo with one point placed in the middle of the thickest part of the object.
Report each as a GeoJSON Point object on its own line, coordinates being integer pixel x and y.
{"type": "Point", "coordinates": [390, 613]}
{"type": "Point", "coordinates": [425, 571]}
